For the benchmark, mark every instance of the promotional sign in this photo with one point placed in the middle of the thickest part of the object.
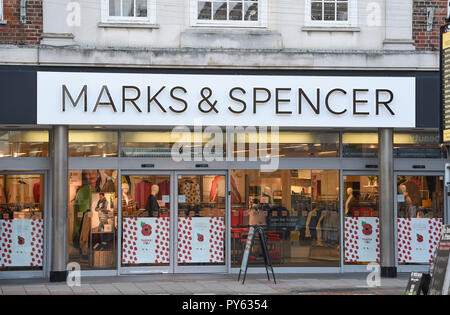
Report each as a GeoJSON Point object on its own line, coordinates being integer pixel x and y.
{"type": "Point", "coordinates": [145, 241]}
{"type": "Point", "coordinates": [362, 240]}
{"type": "Point", "coordinates": [73, 98]}
{"type": "Point", "coordinates": [417, 239]}
{"type": "Point", "coordinates": [201, 240]}
{"type": "Point", "coordinates": [21, 243]}
{"type": "Point", "coordinates": [440, 271]}
{"type": "Point", "coordinates": [418, 283]}
{"type": "Point", "coordinates": [445, 84]}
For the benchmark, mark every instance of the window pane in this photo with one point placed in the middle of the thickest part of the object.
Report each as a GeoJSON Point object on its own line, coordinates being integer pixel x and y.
{"type": "Point", "coordinates": [92, 218]}
{"type": "Point", "coordinates": [24, 143]}
{"type": "Point", "coordinates": [220, 11]}
{"type": "Point", "coordinates": [88, 143]}
{"type": "Point", "coordinates": [128, 7]}
{"type": "Point", "coordinates": [114, 7]}
{"type": "Point", "coordinates": [141, 8]}
{"type": "Point", "coordinates": [342, 11]}
{"type": "Point", "coordinates": [316, 11]}
{"type": "Point", "coordinates": [204, 10]}
{"type": "Point", "coordinates": [251, 11]}
{"type": "Point", "coordinates": [21, 222]}
{"type": "Point", "coordinates": [236, 11]}
{"type": "Point", "coordinates": [418, 145]}
{"type": "Point", "coordinates": [329, 11]}
{"type": "Point", "coordinates": [298, 210]}
{"type": "Point", "coordinates": [360, 144]}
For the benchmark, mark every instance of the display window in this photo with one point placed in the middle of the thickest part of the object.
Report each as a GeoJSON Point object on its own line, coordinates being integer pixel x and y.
{"type": "Point", "coordinates": [21, 222]}
{"type": "Point", "coordinates": [420, 213]}
{"type": "Point", "coordinates": [424, 145]}
{"type": "Point", "coordinates": [361, 221]}
{"type": "Point", "coordinates": [24, 143]}
{"type": "Point", "coordinates": [201, 220]}
{"type": "Point", "coordinates": [299, 210]}
{"type": "Point", "coordinates": [360, 144]}
{"type": "Point", "coordinates": [145, 220]}
{"type": "Point", "coordinates": [92, 218]}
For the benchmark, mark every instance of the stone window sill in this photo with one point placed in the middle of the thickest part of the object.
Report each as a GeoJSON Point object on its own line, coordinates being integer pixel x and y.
{"type": "Point", "coordinates": [128, 25]}
{"type": "Point", "coordinates": [3, 22]}
{"type": "Point", "coordinates": [330, 29]}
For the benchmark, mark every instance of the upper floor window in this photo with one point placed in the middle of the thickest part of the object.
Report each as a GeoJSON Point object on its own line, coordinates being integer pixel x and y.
{"type": "Point", "coordinates": [128, 11]}
{"type": "Point", "coordinates": [1, 10]}
{"type": "Point", "coordinates": [229, 12]}
{"type": "Point", "coordinates": [331, 12]}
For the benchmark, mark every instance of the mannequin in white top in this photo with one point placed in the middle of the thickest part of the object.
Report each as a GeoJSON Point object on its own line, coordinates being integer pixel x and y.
{"type": "Point", "coordinates": [349, 199]}
{"type": "Point", "coordinates": [125, 190]}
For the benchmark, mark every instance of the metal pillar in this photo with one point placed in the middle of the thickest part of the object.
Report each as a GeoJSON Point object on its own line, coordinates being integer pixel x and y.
{"type": "Point", "coordinates": [60, 203]}
{"type": "Point", "coordinates": [386, 191]}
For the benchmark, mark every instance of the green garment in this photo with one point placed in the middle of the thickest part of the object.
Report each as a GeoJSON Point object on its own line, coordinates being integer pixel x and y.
{"type": "Point", "coordinates": [81, 205]}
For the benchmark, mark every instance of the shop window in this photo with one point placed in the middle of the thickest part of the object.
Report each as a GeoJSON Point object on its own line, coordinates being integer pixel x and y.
{"type": "Point", "coordinates": [361, 223]}
{"type": "Point", "coordinates": [21, 143]}
{"type": "Point", "coordinates": [299, 210]}
{"type": "Point", "coordinates": [177, 144]}
{"type": "Point", "coordinates": [1, 10]}
{"type": "Point", "coordinates": [418, 145]}
{"type": "Point", "coordinates": [229, 12]}
{"type": "Point", "coordinates": [92, 218]}
{"type": "Point", "coordinates": [89, 143]}
{"type": "Point", "coordinates": [420, 214]}
{"type": "Point", "coordinates": [21, 222]}
{"type": "Point", "coordinates": [287, 144]}
{"type": "Point", "coordinates": [360, 144]}
{"type": "Point", "coordinates": [128, 11]}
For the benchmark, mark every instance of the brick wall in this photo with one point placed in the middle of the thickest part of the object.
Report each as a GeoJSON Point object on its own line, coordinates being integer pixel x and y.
{"type": "Point", "coordinates": [428, 40]}
{"type": "Point", "coordinates": [15, 33]}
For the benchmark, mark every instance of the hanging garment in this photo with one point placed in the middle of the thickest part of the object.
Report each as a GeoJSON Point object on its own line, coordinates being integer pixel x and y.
{"type": "Point", "coordinates": [84, 233]}
{"type": "Point", "coordinates": [37, 192]}
{"type": "Point", "coordinates": [164, 189]}
{"type": "Point", "coordinates": [192, 192]}
{"type": "Point", "coordinates": [142, 191]}
{"type": "Point", "coordinates": [152, 206]}
{"type": "Point", "coordinates": [81, 204]}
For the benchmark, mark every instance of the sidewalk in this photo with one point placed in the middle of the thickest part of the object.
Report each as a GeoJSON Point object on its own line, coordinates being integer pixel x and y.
{"type": "Point", "coordinates": [207, 284]}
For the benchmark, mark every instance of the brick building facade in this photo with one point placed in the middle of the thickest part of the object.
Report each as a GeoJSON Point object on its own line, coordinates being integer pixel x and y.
{"type": "Point", "coordinates": [426, 30]}
{"type": "Point", "coordinates": [15, 32]}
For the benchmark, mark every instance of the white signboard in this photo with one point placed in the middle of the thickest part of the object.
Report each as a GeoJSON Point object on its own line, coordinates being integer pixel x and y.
{"type": "Point", "coordinates": [69, 98]}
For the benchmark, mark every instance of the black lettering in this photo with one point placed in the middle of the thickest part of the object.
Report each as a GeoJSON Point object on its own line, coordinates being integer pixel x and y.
{"type": "Point", "coordinates": [316, 109]}
{"type": "Point", "coordinates": [110, 103]}
{"type": "Point", "coordinates": [256, 102]}
{"type": "Point", "coordinates": [279, 100]}
{"type": "Point", "coordinates": [65, 92]}
{"type": "Point", "coordinates": [328, 105]}
{"type": "Point", "coordinates": [244, 105]}
{"type": "Point", "coordinates": [131, 100]}
{"type": "Point", "coordinates": [356, 102]}
{"type": "Point", "coordinates": [154, 99]}
{"type": "Point", "coordinates": [178, 99]}
{"type": "Point", "coordinates": [385, 103]}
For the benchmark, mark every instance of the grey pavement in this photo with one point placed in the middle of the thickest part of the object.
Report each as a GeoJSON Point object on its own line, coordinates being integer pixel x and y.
{"type": "Point", "coordinates": [206, 284]}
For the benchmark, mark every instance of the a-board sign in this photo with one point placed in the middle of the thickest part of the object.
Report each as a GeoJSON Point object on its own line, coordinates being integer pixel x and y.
{"type": "Point", "coordinates": [253, 230]}
{"type": "Point", "coordinates": [445, 84]}
{"type": "Point", "coordinates": [418, 283]}
{"type": "Point", "coordinates": [440, 271]}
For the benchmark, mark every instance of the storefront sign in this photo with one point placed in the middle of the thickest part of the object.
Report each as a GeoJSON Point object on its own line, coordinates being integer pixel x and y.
{"type": "Point", "coordinates": [21, 243]}
{"type": "Point", "coordinates": [221, 100]}
{"type": "Point", "coordinates": [417, 239]}
{"type": "Point", "coordinates": [440, 271]}
{"type": "Point", "coordinates": [145, 240]}
{"type": "Point", "coordinates": [362, 240]}
{"type": "Point", "coordinates": [201, 240]}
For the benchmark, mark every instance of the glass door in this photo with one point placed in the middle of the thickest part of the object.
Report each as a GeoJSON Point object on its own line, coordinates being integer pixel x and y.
{"type": "Point", "coordinates": [201, 220]}
{"type": "Point", "coordinates": [146, 223]}
{"type": "Point", "coordinates": [420, 215]}
{"type": "Point", "coordinates": [361, 218]}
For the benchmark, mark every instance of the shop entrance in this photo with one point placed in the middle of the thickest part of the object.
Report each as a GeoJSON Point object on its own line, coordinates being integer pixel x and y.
{"type": "Point", "coordinates": [173, 222]}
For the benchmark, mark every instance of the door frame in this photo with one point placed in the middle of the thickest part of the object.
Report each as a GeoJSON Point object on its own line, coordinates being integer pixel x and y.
{"type": "Point", "coordinates": [415, 267]}
{"type": "Point", "coordinates": [173, 234]}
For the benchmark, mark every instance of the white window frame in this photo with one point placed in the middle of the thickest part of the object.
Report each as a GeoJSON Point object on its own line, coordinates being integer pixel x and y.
{"type": "Point", "coordinates": [351, 22]}
{"type": "Point", "coordinates": [149, 19]}
{"type": "Point", "coordinates": [1, 10]}
{"type": "Point", "coordinates": [262, 18]}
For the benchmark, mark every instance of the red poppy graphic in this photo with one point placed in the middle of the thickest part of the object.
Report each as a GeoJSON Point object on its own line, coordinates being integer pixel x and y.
{"type": "Point", "coordinates": [200, 237]}
{"type": "Point", "coordinates": [419, 238]}
{"type": "Point", "coordinates": [146, 229]}
{"type": "Point", "coordinates": [367, 228]}
{"type": "Point", "coordinates": [21, 240]}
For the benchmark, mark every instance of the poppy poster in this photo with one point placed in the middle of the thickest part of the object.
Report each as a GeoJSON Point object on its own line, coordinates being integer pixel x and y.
{"type": "Point", "coordinates": [362, 240]}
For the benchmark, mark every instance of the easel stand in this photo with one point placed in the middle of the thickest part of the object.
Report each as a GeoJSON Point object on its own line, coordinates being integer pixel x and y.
{"type": "Point", "coordinates": [248, 248]}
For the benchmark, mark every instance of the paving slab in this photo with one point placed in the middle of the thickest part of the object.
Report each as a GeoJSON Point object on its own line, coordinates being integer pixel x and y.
{"type": "Point", "coordinates": [13, 290]}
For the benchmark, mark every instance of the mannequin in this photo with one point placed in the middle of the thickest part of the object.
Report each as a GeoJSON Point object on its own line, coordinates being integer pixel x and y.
{"type": "Point", "coordinates": [349, 200]}
{"type": "Point", "coordinates": [128, 204]}
{"type": "Point", "coordinates": [411, 193]}
{"type": "Point", "coordinates": [267, 193]}
{"type": "Point", "coordinates": [152, 205]}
